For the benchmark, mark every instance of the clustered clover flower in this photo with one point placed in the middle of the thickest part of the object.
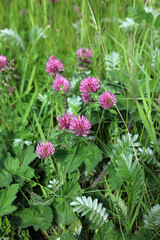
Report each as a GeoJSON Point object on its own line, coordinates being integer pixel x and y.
{"type": "Point", "coordinates": [87, 86]}
{"type": "Point", "coordinates": [45, 150]}
{"type": "Point", "coordinates": [80, 125]}
{"type": "Point", "coordinates": [64, 122]}
{"type": "Point", "coordinates": [3, 62]}
{"type": "Point", "coordinates": [54, 66]}
{"type": "Point", "coordinates": [83, 54]}
{"type": "Point", "coordinates": [61, 83]}
{"type": "Point", "coordinates": [107, 100]}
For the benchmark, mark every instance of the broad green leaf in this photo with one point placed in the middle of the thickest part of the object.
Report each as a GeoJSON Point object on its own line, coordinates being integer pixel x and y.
{"type": "Point", "coordinates": [64, 213]}
{"type": "Point", "coordinates": [7, 196]}
{"type": "Point", "coordinates": [38, 200]}
{"type": "Point", "coordinates": [113, 178]}
{"type": "Point", "coordinates": [39, 216]}
{"type": "Point", "coordinates": [107, 232]}
{"type": "Point", "coordinates": [71, 189]}
{"type": "Point", "coordinates": [11, 164]}
{"type": "Point", "coordinates": [5, 178]}
{"type": "Point", "coordinates": [25, 175]}
{"type": "Point", "coordinates": [91, 156]}
{"type": "Point", "coordinates": [28, 157]}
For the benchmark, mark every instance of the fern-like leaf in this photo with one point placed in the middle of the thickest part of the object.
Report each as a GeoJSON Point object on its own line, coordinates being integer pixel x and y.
{"type": "Point", "coordinates": [124, 146]}
{"type": "Point", "coordinates": [37, 34]}
{"type": "Point", "coordinates": [86, 206]}
{"type": "Point", "coordinates": [130, 172]}
{"type": "Point", "coordinates": [112, 61]}
{"type": "Point", "coordinates": [127, 24]}
{"type": "Point", "coordinates": [121, 208]}
{"type": "Point", "coordinates": [152, 220]}
{"type": "Point", "coordinates": [12, 37]}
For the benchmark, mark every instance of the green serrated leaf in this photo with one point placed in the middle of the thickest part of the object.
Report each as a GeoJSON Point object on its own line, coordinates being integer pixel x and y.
{"type": "Point", "coordinates": [71, 189]}
{"type": "Point", "coordinates": [28, 157]}
{"type": "Point", "coordinates": [91, 156]}
{"type": "Point", "coordinates": [107, 232]}
{"type": "Point", "coordinates": [37, 200]}
{"type": "Point", "coordinates": [113, 178]}
{"type": "Point", "coordinates": [64, 213]}
{"type": "Point", "coordinates": [7, 196]}
{"type": "Point", "coordinates": [40, 216]}
{"type": "Point", "coordinates": [5, 178]}
{"type": "Point", "coordinates": [11, 164]}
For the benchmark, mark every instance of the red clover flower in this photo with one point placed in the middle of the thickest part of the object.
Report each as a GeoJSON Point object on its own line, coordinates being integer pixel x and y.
{"type": "Point", "coordinates": [83, 54]}
{"type": "Point", "coordinates": [54, 66]}
{"type": "Point", "coordinates": [61, 83]}
{"type": "Point", "coordinates": [107, 100]}
{"type": "Point", "coordinates": [44, 150]}
{"type": "Point", "coordinates": [87, 86]}
{"type": "Point", "coordinates": [64, 122]}
{"type": "Point", "coordinates": [80, 125]}
{"type": "Point", "coordinates": [3, 62]}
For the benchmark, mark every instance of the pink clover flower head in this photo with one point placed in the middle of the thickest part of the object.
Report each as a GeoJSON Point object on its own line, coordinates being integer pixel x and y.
{"type": "Point", "coordinates": [54, 66]}
{"type": "Point", "coordinates": [80, 125]}
{"type": "Point", "coordinates": [87, 86]}
{"type": "Point", "coordinates": [64, 122]}
{"type": "Point", "coordinates": [61, 83]}
{"type": "Point", "coordinates": [107, 100]}
{"type": "Point", "coordinates": [83, 54]}
{"type": "Point", "coordinates": [45, 150]}
{"type": "Point", "coordinates": [3, 62]}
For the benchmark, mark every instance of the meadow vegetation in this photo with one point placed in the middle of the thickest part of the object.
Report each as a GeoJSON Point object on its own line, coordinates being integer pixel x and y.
{"type": "Point", "coordinates": [79, 119]}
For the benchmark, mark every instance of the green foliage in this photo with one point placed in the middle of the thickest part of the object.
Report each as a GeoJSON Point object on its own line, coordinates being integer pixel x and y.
{"type": "Point", "coordinates": [67, 236]}
{"type": "Point", "coordinates": [37, 216]}
{"type": "Point", "coordinates": [7, 231]}
{"type": "Point", "coordinates": [64, 213]}
{"type": "Point", "coordinates": [74, 104]}
{"type": "Point", "coordinates": [86, 206]}
{"type": "Point", "coordinates": [5, 176]}
{"type": "Point", "coordinates": [12, 37]}
{"type": "Point", "coordinates": [121, 209]}
{"type": "Point", "coordinates": [107, 232]}
{"type": "Point", "coordinates": [145, 234]}
{"type": "Point", "coordinates": [7, 196]}
{"type": "Point", "coordinates": [152, 219]}
{"type": "Point", "coordinates": [114, 179]}
{"type": "Point", "coordinates": [157, 21]}
{"type": "Point", "coordinates": [38, 200]}
{"type": "Point", "coordinates": [90, 154]}
{"type": "Point", "coordinates": [112, 61]}
{"type": "Point", "coordinates": [129, 50]}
